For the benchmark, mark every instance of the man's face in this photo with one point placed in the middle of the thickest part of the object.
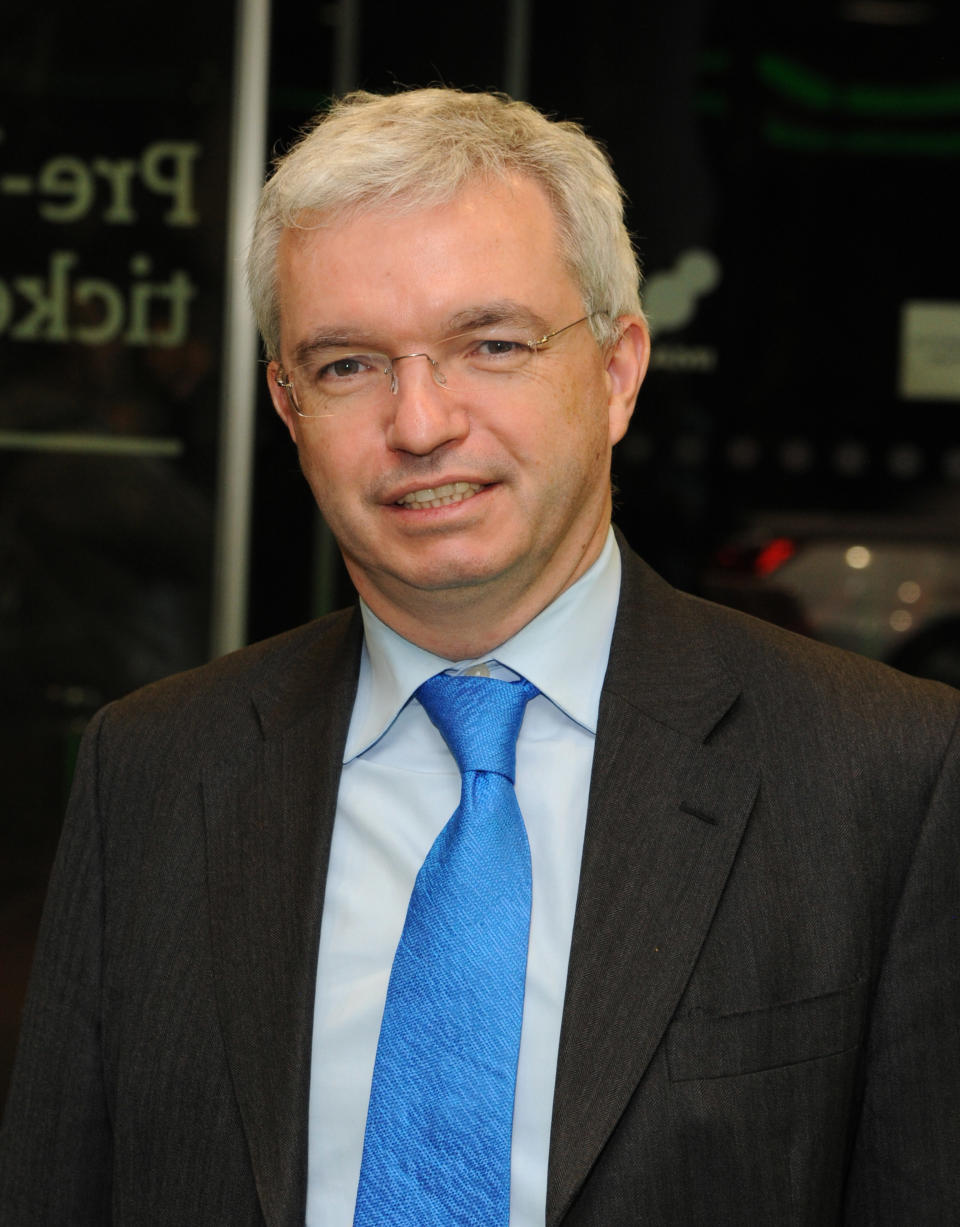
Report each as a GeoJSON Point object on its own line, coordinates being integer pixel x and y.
{"type": "Point", "coordinates": [533, 451]}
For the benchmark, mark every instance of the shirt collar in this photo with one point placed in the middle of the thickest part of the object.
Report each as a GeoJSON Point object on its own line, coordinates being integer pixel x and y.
{"type": "Point", "coordinates": [563, 651]}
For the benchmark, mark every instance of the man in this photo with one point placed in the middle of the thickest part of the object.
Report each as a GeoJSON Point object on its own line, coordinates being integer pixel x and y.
{"type": "Point", "coordinates": [741, 989]}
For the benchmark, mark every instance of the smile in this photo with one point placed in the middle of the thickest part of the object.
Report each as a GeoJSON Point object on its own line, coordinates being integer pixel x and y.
{"type": "Point", "coordinates": [440, 496]}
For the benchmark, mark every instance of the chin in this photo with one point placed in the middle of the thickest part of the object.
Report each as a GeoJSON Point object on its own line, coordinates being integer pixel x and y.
{"type": "Point", "coordinates": [453, 571]}
{"type": "Point", "coordinates": [450, 578]}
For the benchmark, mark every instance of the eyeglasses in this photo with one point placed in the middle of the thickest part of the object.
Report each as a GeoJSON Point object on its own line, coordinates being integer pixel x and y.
{"type": "Point", "coordinates": [338, 379]}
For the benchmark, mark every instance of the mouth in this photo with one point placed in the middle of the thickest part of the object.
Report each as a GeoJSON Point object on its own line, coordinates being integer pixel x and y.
{"type": "Point", "coordinates": [440, 496]}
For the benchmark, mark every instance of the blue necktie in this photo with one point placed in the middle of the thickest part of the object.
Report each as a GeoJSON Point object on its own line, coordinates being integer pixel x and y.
{"type": "Point", "coordinates": [437, 1146]}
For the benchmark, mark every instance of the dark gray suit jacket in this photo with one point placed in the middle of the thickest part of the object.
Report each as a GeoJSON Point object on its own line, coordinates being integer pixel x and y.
{"type": "Point", "coordinates": [762, 1021]}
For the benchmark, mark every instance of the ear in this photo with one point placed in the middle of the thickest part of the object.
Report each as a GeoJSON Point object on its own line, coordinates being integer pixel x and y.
{"type": "Point", "coordinates": [281, 401]}
{"type": "Point", "coordinates": [626, 367]}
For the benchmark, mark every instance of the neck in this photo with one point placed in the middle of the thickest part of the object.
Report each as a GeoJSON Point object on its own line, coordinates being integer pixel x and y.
{"type": "Point", "coordinates": [469, 621]}
{"type": "Point", "coordinates": [457, 628]}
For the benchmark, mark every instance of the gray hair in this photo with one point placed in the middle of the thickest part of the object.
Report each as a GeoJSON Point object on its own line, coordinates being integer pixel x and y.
{"type": "Point", "coordinates": [418, 149]}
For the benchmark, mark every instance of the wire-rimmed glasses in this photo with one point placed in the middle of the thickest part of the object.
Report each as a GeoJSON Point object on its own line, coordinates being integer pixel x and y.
{"type": "Point", "coordinates": [340, 379]}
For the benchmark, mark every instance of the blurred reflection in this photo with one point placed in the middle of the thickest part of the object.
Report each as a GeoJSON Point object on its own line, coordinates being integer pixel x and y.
{"type": "Point", "coordinates": [847, 579]}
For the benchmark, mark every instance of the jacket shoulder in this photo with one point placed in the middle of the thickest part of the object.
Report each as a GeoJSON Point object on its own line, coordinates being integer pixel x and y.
{"type": "Point", "coordinates": [693, 659]}
{"type": "Point", "coordinates": [237, 699]}
{"type": "Point", "coordinates": [768, 657]}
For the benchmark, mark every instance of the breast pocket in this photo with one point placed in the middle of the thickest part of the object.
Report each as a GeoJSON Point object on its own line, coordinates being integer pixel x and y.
{"type": "Point", "coordinates": [701, 1045]}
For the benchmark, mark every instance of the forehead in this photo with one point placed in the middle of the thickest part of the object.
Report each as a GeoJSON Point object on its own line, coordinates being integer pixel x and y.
{"type": "Point", "coordinates": [413, 269]}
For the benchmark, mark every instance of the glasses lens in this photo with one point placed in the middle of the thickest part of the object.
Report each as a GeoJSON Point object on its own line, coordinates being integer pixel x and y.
{"type": "Point", "coordinates": [480, 353]}
{"type": "Point", "coordinates": [337, 381]}
{"type": "Point", "coordinates": [475, 363]}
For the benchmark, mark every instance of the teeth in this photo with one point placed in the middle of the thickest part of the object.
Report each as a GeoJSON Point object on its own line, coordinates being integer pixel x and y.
{"type": "Point", "coordinates": [440, 496]}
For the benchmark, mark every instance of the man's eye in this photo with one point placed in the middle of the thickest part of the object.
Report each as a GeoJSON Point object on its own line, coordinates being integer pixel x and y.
{"type": "Point", "coordinates": [500, 352]}
{"type": "Point", "coordinates": [343, 368]}
{"type": "Point", "coordinates": [496, 348]}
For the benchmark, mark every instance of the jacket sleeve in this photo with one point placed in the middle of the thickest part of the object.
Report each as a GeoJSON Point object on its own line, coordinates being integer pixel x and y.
{"type": "Point", "coordinates": [906, 1159]}
{"type": "Point", "coordinates": [56, 1144]}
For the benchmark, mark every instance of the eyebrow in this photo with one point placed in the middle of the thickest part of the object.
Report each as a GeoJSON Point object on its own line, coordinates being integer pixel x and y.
{"type": "Point", "coordinates": [324, 340]}
{"type": "Point", "coordinates": [483, 315]}
{"type": "Point", "coordinates": [505, 311]}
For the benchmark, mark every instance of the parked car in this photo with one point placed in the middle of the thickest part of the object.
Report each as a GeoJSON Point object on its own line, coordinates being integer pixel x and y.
{"type": "Point", "coordinates": [888, 587]}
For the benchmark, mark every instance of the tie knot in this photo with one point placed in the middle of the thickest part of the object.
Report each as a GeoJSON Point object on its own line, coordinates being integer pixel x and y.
{"type": "Point", "coordinates": [479, 719]}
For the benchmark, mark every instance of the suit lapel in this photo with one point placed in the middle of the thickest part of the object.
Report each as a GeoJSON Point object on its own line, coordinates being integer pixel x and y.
{"type": "Point", "coordinates": [269, 817]}
{"type": "Point", "coordinates": [668, 805]}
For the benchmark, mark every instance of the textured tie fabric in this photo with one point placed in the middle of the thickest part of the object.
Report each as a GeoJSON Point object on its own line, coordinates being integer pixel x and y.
{"type": "Point", "coordinates": [437, 1144]}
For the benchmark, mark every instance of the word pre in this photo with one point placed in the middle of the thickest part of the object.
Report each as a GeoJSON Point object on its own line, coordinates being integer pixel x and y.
{"type": "Point", "coordinates": [68, 189]}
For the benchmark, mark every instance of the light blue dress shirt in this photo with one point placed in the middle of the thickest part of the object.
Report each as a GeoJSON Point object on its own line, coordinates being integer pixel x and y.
{"type": "Point", "coordinates": [399, 786]}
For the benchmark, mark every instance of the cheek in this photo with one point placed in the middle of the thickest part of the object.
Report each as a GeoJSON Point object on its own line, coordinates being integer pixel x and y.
{"type": "Point", "coordinates": [584, 427]}
{"type": "Point", "coordinates": [331, 456]}
{"type": "Point", "coordinates": [326, 477]}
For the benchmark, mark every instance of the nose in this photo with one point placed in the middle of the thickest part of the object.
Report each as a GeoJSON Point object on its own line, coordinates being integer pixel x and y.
{"type": "Point", "coordinates": [424, 413]}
